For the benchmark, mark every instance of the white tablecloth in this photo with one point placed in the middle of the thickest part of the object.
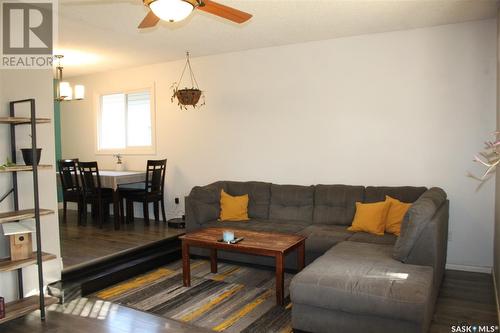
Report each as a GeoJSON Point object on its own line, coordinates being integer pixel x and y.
{"type": "Point", "coordinates": [111, 178]}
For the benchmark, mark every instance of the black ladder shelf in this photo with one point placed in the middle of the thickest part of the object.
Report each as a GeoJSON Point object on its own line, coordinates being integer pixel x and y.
{"type": "Point", "coordinates": [23, 305]}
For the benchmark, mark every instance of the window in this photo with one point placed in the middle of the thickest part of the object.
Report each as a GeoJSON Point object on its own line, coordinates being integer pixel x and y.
{"type": "Point", "coordinates": [126, 123]}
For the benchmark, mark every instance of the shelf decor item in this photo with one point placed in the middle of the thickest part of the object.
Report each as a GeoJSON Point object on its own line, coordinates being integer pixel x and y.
{"type": "Point", "coordinates": [188, 96]}
{"type": "Point", "coordinates": [28, 155]}
{"type": "Point", "coordinates": [21, 245]}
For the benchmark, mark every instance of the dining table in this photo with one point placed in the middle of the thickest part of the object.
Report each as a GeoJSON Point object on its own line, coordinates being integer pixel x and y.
{"type": "Point", "coordinates": [114, 179]}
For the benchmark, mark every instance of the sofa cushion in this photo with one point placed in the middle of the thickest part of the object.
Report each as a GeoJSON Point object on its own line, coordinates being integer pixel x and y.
{"type": "Point", "coordinates": [204, 212]}
{"type": "Point", "coordinates": [361, 278]}
{"type": "Point", "coordinates": [291, 227]}
{"type": "Point", "coordinates": [209, 194]}
{"type": "Point", "coordinates": [415, 221]}
{"type": "Point", "coordinates": [291, 202]}
{"type": "Point", "coordinates": [336, 204]}
{"type": "Point", "coordinates": [259, 194]}
{"type": "Point", "coordinates": [364, 237]}
{"type": "Point", "coordinates": [321, 237]}
{"type": "Point", "coordinates": [406, 194]}
{"type": "Point", "coordinates": [206, 201]}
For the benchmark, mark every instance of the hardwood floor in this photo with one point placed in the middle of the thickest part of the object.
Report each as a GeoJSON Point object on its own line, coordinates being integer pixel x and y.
{"type": "Point", "coordinates": [118, 319]}
{"type": "Point", "coordinates": [80, 244]}
{"type": "Point", "coordinates": [465, 298]}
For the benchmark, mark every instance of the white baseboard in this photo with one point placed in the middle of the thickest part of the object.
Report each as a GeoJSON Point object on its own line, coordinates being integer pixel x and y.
{"type": "Point", "coordinates": [477, 269]}
{"type": "Point", "coordinates": [496, 295]}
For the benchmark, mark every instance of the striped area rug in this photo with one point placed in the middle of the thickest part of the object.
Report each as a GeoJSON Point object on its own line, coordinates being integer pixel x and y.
{"type": "Point", "coordinates": [236, 299]}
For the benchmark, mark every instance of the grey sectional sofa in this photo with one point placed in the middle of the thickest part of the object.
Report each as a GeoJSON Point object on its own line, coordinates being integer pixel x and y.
{"type": "Point", "coordinates": [353, 282]}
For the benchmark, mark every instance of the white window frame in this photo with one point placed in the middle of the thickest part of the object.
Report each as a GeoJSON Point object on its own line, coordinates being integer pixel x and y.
{"type": "Point", "coordinates": [146, 150]}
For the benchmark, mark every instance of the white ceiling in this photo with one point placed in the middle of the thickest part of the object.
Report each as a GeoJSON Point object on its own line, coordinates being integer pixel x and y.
{"type": "Point", "coordinates": [99, 35]}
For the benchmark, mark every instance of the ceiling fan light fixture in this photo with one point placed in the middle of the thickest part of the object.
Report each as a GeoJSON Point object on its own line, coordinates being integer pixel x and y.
{"type": "Point", "coordinates": [171, 10]}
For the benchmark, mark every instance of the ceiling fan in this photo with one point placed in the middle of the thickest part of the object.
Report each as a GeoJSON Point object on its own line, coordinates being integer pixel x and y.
{"type": "Point", "coordinates": [178, 10]}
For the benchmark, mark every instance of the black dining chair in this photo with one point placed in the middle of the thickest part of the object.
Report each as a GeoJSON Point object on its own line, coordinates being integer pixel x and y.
{"type": "Point", "coordinates": [71, 190]}
{"type": "Point", "coordinates": [92, 191]}
{"type": "Point", "coordinates": [151, 192]}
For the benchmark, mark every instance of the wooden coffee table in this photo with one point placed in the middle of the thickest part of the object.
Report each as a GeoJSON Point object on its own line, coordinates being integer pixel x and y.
{"type": "Point", "coordinates": [268, 244]}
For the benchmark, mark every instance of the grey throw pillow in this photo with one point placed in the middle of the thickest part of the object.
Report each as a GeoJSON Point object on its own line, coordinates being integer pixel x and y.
{"type": "Point", "coordinates": [415, 221]}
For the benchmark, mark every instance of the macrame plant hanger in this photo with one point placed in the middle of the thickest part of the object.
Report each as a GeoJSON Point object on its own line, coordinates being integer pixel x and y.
{"type": "Point", "coordinates": [188, 96]}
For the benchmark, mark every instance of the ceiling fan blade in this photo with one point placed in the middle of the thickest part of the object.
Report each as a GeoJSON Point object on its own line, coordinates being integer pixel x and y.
{"type": "Point", "coordinates": [149, 21]}
{"type": "Point", "coordinates": [226, 12]}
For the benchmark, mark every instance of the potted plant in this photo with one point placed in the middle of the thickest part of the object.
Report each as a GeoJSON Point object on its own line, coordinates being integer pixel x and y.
{"type": "Point", "coordinates": [119, 162]}
{"type": "Point", "coordinates": [187, 96]}
{"type": "Point", "coordinates": [28, 155]}
{"type": "Point", "coordinates": [8, 163]}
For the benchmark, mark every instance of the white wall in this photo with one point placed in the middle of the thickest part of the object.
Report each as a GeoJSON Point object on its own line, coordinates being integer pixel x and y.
{"type": "Point", "coordinates": [398, 108]}
{"type": "Point", "coordinates": [496, 245]}
{"type": "Point", "coordinates": [16, 85]}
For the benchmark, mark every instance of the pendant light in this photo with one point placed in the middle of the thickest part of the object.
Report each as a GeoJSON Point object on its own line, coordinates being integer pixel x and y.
{"type": "Point", "coordinates": [64, 90]}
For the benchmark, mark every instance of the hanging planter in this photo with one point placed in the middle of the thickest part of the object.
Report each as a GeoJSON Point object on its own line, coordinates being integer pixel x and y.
{"type": "Point", "coordinates": [188, 96]}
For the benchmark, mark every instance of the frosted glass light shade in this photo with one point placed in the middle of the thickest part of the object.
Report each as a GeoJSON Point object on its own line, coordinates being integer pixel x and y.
{"type": "Point", "coordinates": [79, 91]}
{"type": "Point", "coordinates": [171, 10]}
{"type": "Point", "coordinates": [65, 91]}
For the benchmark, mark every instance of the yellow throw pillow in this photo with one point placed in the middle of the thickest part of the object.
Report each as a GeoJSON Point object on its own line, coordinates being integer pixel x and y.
{"type": "Point", "coordinates": [395, 215]}
{"type": "Point", "coordinates": [370, 217]}
{"type": "Point", "coordinates": [233, 208]}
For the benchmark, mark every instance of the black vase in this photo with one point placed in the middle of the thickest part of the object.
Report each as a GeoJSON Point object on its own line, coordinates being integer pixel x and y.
{"type": "Point", "coordinates": [28, 155]}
